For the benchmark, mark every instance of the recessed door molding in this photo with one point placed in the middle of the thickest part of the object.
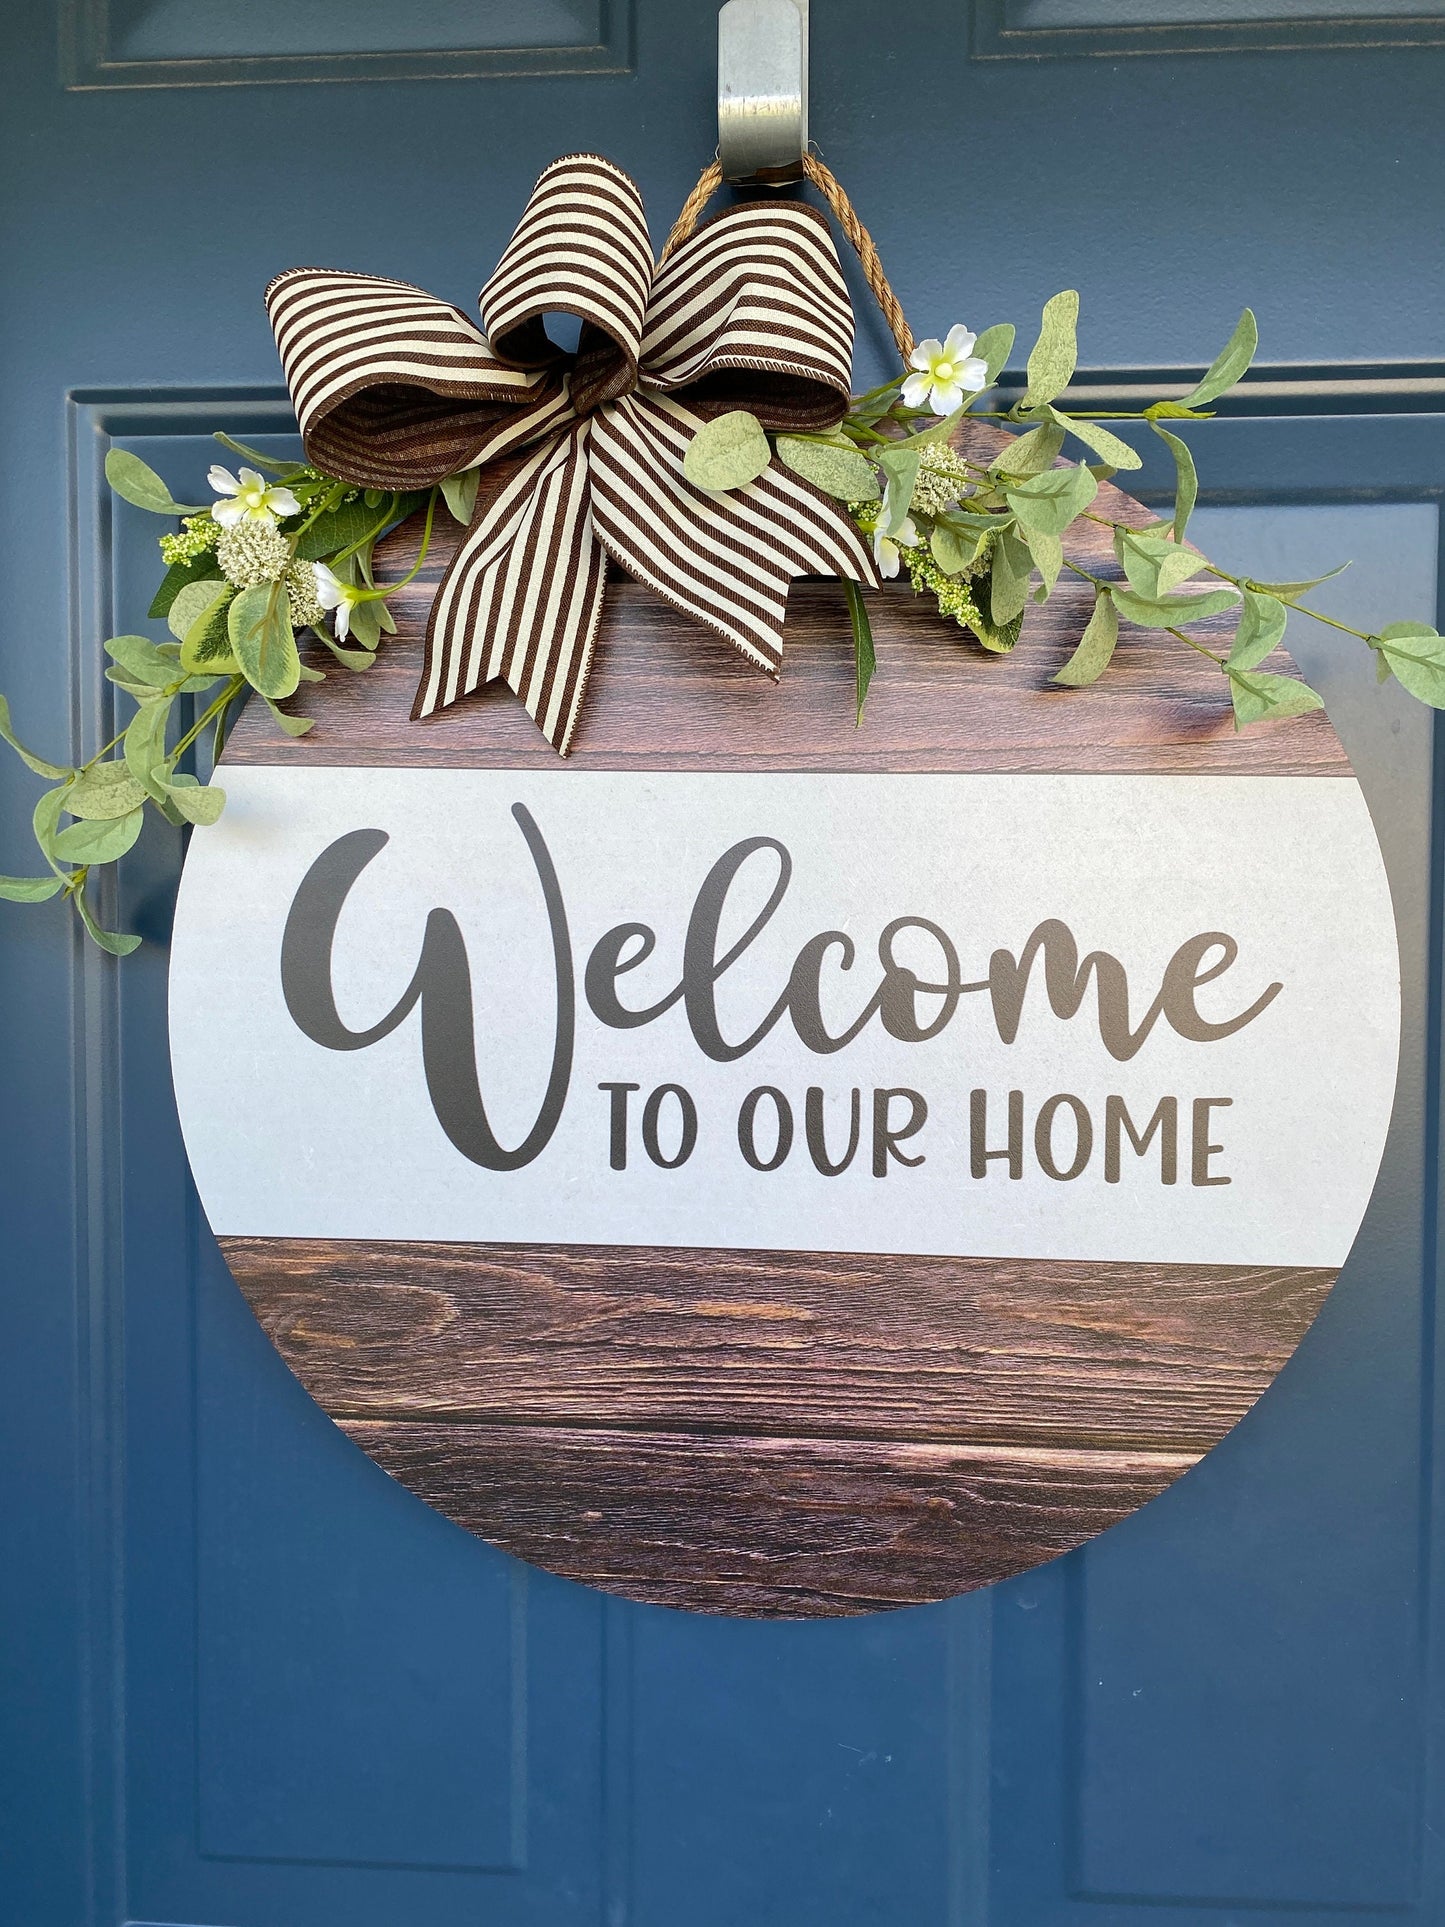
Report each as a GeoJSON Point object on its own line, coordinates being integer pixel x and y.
{"type": "Point", "coordinates": [1105, 29]}
{"type": "Point", "coordinates": [107, 44]}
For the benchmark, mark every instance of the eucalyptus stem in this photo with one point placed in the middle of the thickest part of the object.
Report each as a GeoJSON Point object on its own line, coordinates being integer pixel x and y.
{"type": "Point", "coordinates": [380, 595]}
{"type": "Point", "coordinates": [233, 688]}
{"type": "Point", "coordinates": [345, 555]}
{"type": "Point", "coordinates": [1102, 583]}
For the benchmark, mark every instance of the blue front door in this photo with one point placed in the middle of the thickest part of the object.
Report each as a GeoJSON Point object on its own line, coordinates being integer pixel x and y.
{"type": "Point", "coordinates": [248, 1682]}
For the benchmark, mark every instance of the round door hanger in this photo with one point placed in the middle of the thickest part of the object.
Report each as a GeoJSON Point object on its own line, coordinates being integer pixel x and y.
{"type": "Point", "coordinates": [789, 1184]}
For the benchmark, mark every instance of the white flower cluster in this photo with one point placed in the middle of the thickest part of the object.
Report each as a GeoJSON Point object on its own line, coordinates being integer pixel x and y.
{"type": "Point", "coordinates": [252, 552]}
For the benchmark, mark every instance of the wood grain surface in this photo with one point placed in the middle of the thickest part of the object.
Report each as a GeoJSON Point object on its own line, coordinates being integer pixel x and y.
{"type": "Point", "coordinates": [767, 1527]}
{"type": "Point", "coordinates": [667, 693]}
{"type": "Point", "coordinates": [781, 1433]}
{"type": "Point", "coordinates": [984, 1349]}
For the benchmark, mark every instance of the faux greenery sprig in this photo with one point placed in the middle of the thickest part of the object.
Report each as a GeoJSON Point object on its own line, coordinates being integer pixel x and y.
{"type": "Point", "coordinates": [985, 539]}
{"type": "Point", "coordinates": [269, 558]}
{"type": "Point", "coordinates": [244, 574]}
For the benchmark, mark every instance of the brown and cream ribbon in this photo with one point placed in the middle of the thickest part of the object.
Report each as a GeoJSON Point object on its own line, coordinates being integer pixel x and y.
{"type": "Point", "coordinates": [583, 452]}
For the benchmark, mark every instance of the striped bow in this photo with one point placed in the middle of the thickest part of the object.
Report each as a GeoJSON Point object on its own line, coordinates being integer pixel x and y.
{"type": "Point", "coordinates": [395, 389]}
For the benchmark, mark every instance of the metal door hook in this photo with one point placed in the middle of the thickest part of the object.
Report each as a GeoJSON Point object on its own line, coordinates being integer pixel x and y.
{"type": "Point", "coordinates": [762, 90]}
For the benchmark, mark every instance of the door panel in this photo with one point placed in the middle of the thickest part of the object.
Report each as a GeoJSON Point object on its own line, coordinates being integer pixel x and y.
{"type": "Point", "coordinates": [168, 43]}
{"type": "Point", "coordinates": [248, 1682]}
{"type": "Point", "coordinates": [833, 1752]}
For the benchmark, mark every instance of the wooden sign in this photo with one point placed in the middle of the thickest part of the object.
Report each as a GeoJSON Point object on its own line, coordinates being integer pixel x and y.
{"type": "Point", "coordinates": [767, 1166]}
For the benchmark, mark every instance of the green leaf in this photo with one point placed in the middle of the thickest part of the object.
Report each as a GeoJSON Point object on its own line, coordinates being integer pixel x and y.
{"type": "Point", "coordinates": [1153, 564]}
{"type": "Point", "coordinates": [137, 482]}
{"type": "Point", "coordinates": [142, 661]}
{"type": "Point", "coordinates": [30, 889]}
{"type": "Point", "coordinates": [1139, 560]}
{"type": "Point", "coordinates": [1257, 696]}
{"type": "Point", "coordinates": [180, 575]}
{"type": "Point", "coordinates": [339, 528]}
{"type": "Point", "coordinates": [1228, 365]}
{"type": "Point", "coordinates": [1031, 454]}
{"type": "Point", "coordinates": [967, 521]}
{"type": "Point", "coordinates": [1049, 502]}
{"type": "Point", "coordinates": [1260, 631]}
{"type": "Point", "coordinates": [1048, 554]}
{"type": "Point", "coordinates": [459, 492]}
{"type": "Point", "coordinates": [1013, 564]}
{"type": "Point", "coordinates": [191, 602]}
{"type": "Point", "coordinates": [1175, 613]}
{"type": "Point", "coordinates": [841, 472]}
{"type": "Point", "coordinates": [98, 842]}
{"type": "Point", "coordinates": [1417, 656]}
{"type": "Point", "coordinates": [865, 660]}
{"type": "Point", "coordinates": [900, 470]}
{"type": "Point", "coordinates": [263, 642]}
{"type": "Point", "coordinates": [143, 692]}
{"type": "Point", "coordinates": [728, 452]}
{"type": "Point", "coordinates": [111, 940]}
{"type": "Point", "coordinates": [1055, 354]}
{"type": "Point", "coordinates": [145, 747]}
{"type": "Point", "coordinates": [36, 763]}
{"type": "Point", "coordinates": [197, 802]}
{"type": "Point", "coordinates": [206, 648]}
{"type": "Point", "coordinates": [1096, 646]}
{"type": "Point", "coordinates": [1178, 567]}
{"type": "Point", "coordinates": [104, 791]}
{"type": "Point", "coordinates": [994, 346]}
{"type": "Point", "coordinates": [1116, 453]}
{"type": "Point", "coordinates": [1186, 479]}
{"type": "Point", "coordinates": [357, 659]}
{"type": "Point", "coordinates": [274, 463]}
{"type": "Point", "coordinates": [293, 725]}
{"type": "Point", "coordinates": [942, 430]}
{"type": "Point", "coordinates": [997, 638]}
{"type": "Point", "coordinates": [45, 818]}
{"type": "Point", "coordinates": [955, 550]}
{"type": "Point", "coordinates": [1287, 590]}
{"type": "Point", "coordinates": [366, 625]}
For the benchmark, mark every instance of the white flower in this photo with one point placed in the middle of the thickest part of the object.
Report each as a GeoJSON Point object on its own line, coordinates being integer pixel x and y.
{"type": "Point", "coordinates": [333, 593]}
{"type": "Point", "coordinates": [948, 371]}
{"type": "Point", "coordinates": [249, 498]}
{"type": "Point", "coordinates": [886, 547]}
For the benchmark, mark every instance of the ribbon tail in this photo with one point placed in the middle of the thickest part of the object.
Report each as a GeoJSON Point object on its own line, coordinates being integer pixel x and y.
{"type": "Point", "coordinates": [522, 598]}
{"type": "Point", "coordinates": [725, 558]}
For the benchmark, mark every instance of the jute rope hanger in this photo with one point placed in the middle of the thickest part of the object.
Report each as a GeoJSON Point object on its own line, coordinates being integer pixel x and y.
{"type": "Point", "coordinates": [836, 195]}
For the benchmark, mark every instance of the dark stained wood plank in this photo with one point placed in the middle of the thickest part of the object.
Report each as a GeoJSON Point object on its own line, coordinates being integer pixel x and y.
{"type": "Point", "coordinates": [775, 1342]}
{"type": "Point", "coordinates": [666, 693]}
{"type": "Point", "coordinates": [779, 1528]}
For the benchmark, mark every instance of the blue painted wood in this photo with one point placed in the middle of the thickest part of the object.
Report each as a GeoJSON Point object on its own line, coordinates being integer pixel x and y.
{"type": "Point", "coordinates": [244, 1680]}
{"type": "Point", "coordinates": [170, 43]}
{"type": "Point", "coordinates": [1103, 29]}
